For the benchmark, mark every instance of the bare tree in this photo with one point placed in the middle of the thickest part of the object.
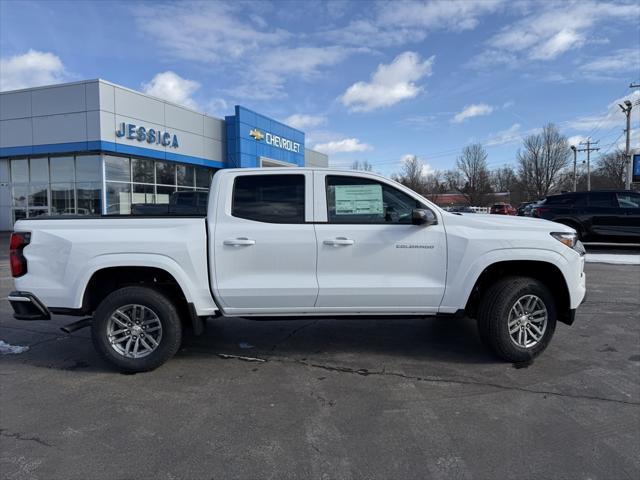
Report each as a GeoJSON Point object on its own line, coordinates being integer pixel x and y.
{"type": "Point", "coordinates": [542, 158]}
{"type": "Point", "coordinates": [504, 179]}
{"type": "Point", "coordinates": [611, 169]}
{"type": "Point", "coordinates": [363, 165]}
{"type": "Point", "coordinates": [473, 181]}
{"type": "Point", "coordinates": [412, 175]}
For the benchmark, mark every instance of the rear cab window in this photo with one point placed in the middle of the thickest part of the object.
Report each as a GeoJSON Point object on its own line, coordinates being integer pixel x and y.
{"type": "Point", "coordinates": [269, 198]}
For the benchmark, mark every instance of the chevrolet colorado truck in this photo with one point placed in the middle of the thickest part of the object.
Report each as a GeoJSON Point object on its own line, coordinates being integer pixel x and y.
{"type": "Point", "coordinates": [292, 243]}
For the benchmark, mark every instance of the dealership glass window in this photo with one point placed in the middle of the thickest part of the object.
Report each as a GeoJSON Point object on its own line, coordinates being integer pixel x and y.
{"type": "Point", "coordinates": [203, 177]}
{"type": "Point", "coordinates": [269, 198]}
{"type": "Point", "coordinates": [356, 200]}
{"type": "Point", "coordinates": [163, 193]}
{"type": "Point", "coordinates": [117, 169]}
{"type": "Point", "coordinates": [143, 193]}
{"type": "Point", "coordinates": [20, 194]}
{"type": "Point", "coordinates": [165, 173]}
{"type": "Point", "coordinates": [185, 175]}
{"type": "Point", "coordinates": [143, 171]}
{"type": "Point", "coordinates": [62, 169]}
{"type": "Point", "coordinates": [89, 198]}
{"type": "Point", "coordinates": [38, 195]}
{"type": "Point", "coordinates": [62, 199]}
{"type": "Point", "coordinates": [88, 168]}
{"type": "Point", "coordinates": [39, 169]}
{"type": "Point", "coordinates": [118, 198]}
{"type": "Point", "coordinates": [19, 171]}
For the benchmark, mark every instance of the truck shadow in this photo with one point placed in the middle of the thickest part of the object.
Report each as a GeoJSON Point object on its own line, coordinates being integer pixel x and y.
{"type": "Point", "coordinates": [446, 340]}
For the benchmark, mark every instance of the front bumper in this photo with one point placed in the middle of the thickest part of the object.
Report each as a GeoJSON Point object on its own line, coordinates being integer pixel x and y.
{"type": "Point", "coordinates": [26, 306]}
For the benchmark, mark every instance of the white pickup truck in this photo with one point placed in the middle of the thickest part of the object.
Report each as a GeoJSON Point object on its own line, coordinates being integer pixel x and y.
{"type": "Point", "coordinates": [289, 242]}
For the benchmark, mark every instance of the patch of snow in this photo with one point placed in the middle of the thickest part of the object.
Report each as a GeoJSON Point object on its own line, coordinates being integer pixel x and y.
{"type": "Point", "coordinates": [613, 258]}
{"type": "Point", "coordinates": [6, 349]}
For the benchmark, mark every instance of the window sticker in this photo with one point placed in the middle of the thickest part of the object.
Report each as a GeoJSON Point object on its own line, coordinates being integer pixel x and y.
{"type": "Point", "coordinates": [359, 199]}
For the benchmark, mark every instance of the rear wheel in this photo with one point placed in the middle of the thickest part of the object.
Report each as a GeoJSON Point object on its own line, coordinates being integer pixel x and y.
{"type": "Point", "coordinates": [136, 329]}
{"type": "Point", "coordinates": [517, 318]}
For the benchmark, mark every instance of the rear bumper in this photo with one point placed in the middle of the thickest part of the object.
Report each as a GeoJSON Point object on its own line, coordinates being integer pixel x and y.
{"type": "Point", "coordinates": [26, 306]}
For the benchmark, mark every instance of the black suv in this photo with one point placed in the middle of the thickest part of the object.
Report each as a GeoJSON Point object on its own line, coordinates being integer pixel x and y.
{"type": "Point", "coordinates": [605, 216]}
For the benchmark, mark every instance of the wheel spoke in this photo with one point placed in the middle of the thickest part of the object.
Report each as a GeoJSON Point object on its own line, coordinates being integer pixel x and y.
{"type": "Point", "coordinates": [537, 330]}
{"type": "Point", "coordinates": [152, 340]}
{"type": "Point", "coordinates": [147, 346]}
{"type": "Point", "coordinates": [127, 346]}
{"type": "Point", "coordinates": [513, 329]}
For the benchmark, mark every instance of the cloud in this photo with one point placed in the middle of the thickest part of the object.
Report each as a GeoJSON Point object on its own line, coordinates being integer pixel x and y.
{"type": "Point", "coordinates": [172, 87]}
{"type": "Point", "coordinates": [389, 84]}
{"type": "Point", "coordinates": [564, 40]}
{"type": "Point", "coordinates": [611, 118]}
{"type": "Point", "coordinates": [473, 110]}
{"type": "Point", "coordinates": [547, 33]}
{"type": "Point", "coordinates": [207, 31]}
{"type": "Point", "coordinates": [575, 140]}
{"type": "Point", "coordinates": [623, 60]}
{"type": "Point", "coordinates": [31, 69]}
{"type": "Point", "coordinates": [302, 122]}
{"type": "Point", "coordinates": [345, 145]}
{"type": "Point", "coordinates": [401, 22]}
{"type": "Point", "coordinates": [510, 135]}
{"type": "Point", "coordinates": [223, 35]}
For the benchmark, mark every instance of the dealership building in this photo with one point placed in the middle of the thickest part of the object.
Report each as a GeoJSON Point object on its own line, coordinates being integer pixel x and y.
{"type": "Point", "coordinates": [93, 147]}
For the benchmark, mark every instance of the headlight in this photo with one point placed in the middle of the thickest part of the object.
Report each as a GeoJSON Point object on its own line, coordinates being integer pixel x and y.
{"type": "Point", "coordinates": [569, 239]}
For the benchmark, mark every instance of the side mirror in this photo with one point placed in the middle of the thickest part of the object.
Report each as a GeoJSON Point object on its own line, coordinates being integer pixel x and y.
{"type": "Point", "coordinates": [423, 216]}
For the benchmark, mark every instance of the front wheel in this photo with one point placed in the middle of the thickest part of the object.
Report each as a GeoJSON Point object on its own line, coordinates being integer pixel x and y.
{"type": "Point", "coordinates": [136, 329]}
{"type": "Point", "coordinates": [517, 318]}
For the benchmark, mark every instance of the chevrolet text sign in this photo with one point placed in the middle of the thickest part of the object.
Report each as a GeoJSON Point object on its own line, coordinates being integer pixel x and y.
{"type": "Point", "coordinates": [275, 140]}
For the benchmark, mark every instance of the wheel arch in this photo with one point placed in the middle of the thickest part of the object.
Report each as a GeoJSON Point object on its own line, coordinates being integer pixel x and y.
{"type": "Point", "coordinates": [545, 272]}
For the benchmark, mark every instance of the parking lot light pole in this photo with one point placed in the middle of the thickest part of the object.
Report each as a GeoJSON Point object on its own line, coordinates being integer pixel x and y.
{"type": "Point", "coordinates": [575, 158]}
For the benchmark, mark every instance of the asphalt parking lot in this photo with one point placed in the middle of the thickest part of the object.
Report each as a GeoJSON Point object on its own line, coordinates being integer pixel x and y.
{"type": "Point", "coordinates": [327, 399]}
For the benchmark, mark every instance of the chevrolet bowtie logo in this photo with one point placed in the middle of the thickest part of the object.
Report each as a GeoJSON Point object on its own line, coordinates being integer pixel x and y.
{"type": "Point", "coordinates": [257, 134]}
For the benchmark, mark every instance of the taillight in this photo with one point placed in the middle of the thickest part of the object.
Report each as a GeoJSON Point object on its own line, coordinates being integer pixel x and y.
{"type": "Point", "coordinates": [18, 263]}
{"type": "Point", "coordinates": [537, 211]}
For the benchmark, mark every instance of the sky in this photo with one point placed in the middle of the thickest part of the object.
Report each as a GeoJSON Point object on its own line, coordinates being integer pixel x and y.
{"type": "Point", "coordinates": [374, 81]}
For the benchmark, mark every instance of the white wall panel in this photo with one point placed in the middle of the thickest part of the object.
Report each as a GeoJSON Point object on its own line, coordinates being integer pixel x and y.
{"type": "Point", "coordinates": [213, 150]}
{"type": "Point", "coordinates": [190, 144]}
{"type": "Point", "coordinates": [15, 133]}
{"type": "Point", "coordinates": [15, 105]}
{"type": "Point", "coordinates": [56, 100]}
{"type": "Point", "coordinates": [71, 127]}
{"type": "Point", "coordinates": [183, 119]}
{"type": "Point", "coordinates": [214, 128]}
{"type": "Point", "coordinates": [107, 97]}
{"type": "Point", "coordinates": [138, 106]}
{"type": "Point", "coordinates": [93, 125]}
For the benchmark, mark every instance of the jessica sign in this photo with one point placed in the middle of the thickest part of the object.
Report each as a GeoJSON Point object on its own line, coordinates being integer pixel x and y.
{"type": "Point", "coordinates": [142, 134]}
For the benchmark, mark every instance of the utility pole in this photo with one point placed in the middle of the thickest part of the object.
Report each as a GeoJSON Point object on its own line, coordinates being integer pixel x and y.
{"type": "Point", "coordinates": [575, 158]}
{"type": "Point", "coordinates": [589, 149]}
{"type": "Point", "coordinates": [626, 109]}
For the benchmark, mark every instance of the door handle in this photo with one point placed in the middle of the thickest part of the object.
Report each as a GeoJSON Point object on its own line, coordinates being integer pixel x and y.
{"type": "Point", "coordinates": [339, 241]}
{"type": "Point", "coordinates": [239, 242]}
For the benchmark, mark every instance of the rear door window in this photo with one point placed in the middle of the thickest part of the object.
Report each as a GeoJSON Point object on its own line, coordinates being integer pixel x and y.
{"type": "Point", "coordinates": [356, 200]}
{"type": "Point", "coordinates": [602, 199]}
{"type": "Point", "coordinates": [269, 198]}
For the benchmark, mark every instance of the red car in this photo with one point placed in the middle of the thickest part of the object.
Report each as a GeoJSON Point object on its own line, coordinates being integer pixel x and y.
{"type": "Point", "coordinates": [503, 209]}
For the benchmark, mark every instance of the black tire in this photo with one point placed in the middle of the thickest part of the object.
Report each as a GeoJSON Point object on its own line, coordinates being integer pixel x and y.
{"type": "Point", "coordinates": [166, 313]}
{"type": "Point", "coordinates": [493, 317]}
